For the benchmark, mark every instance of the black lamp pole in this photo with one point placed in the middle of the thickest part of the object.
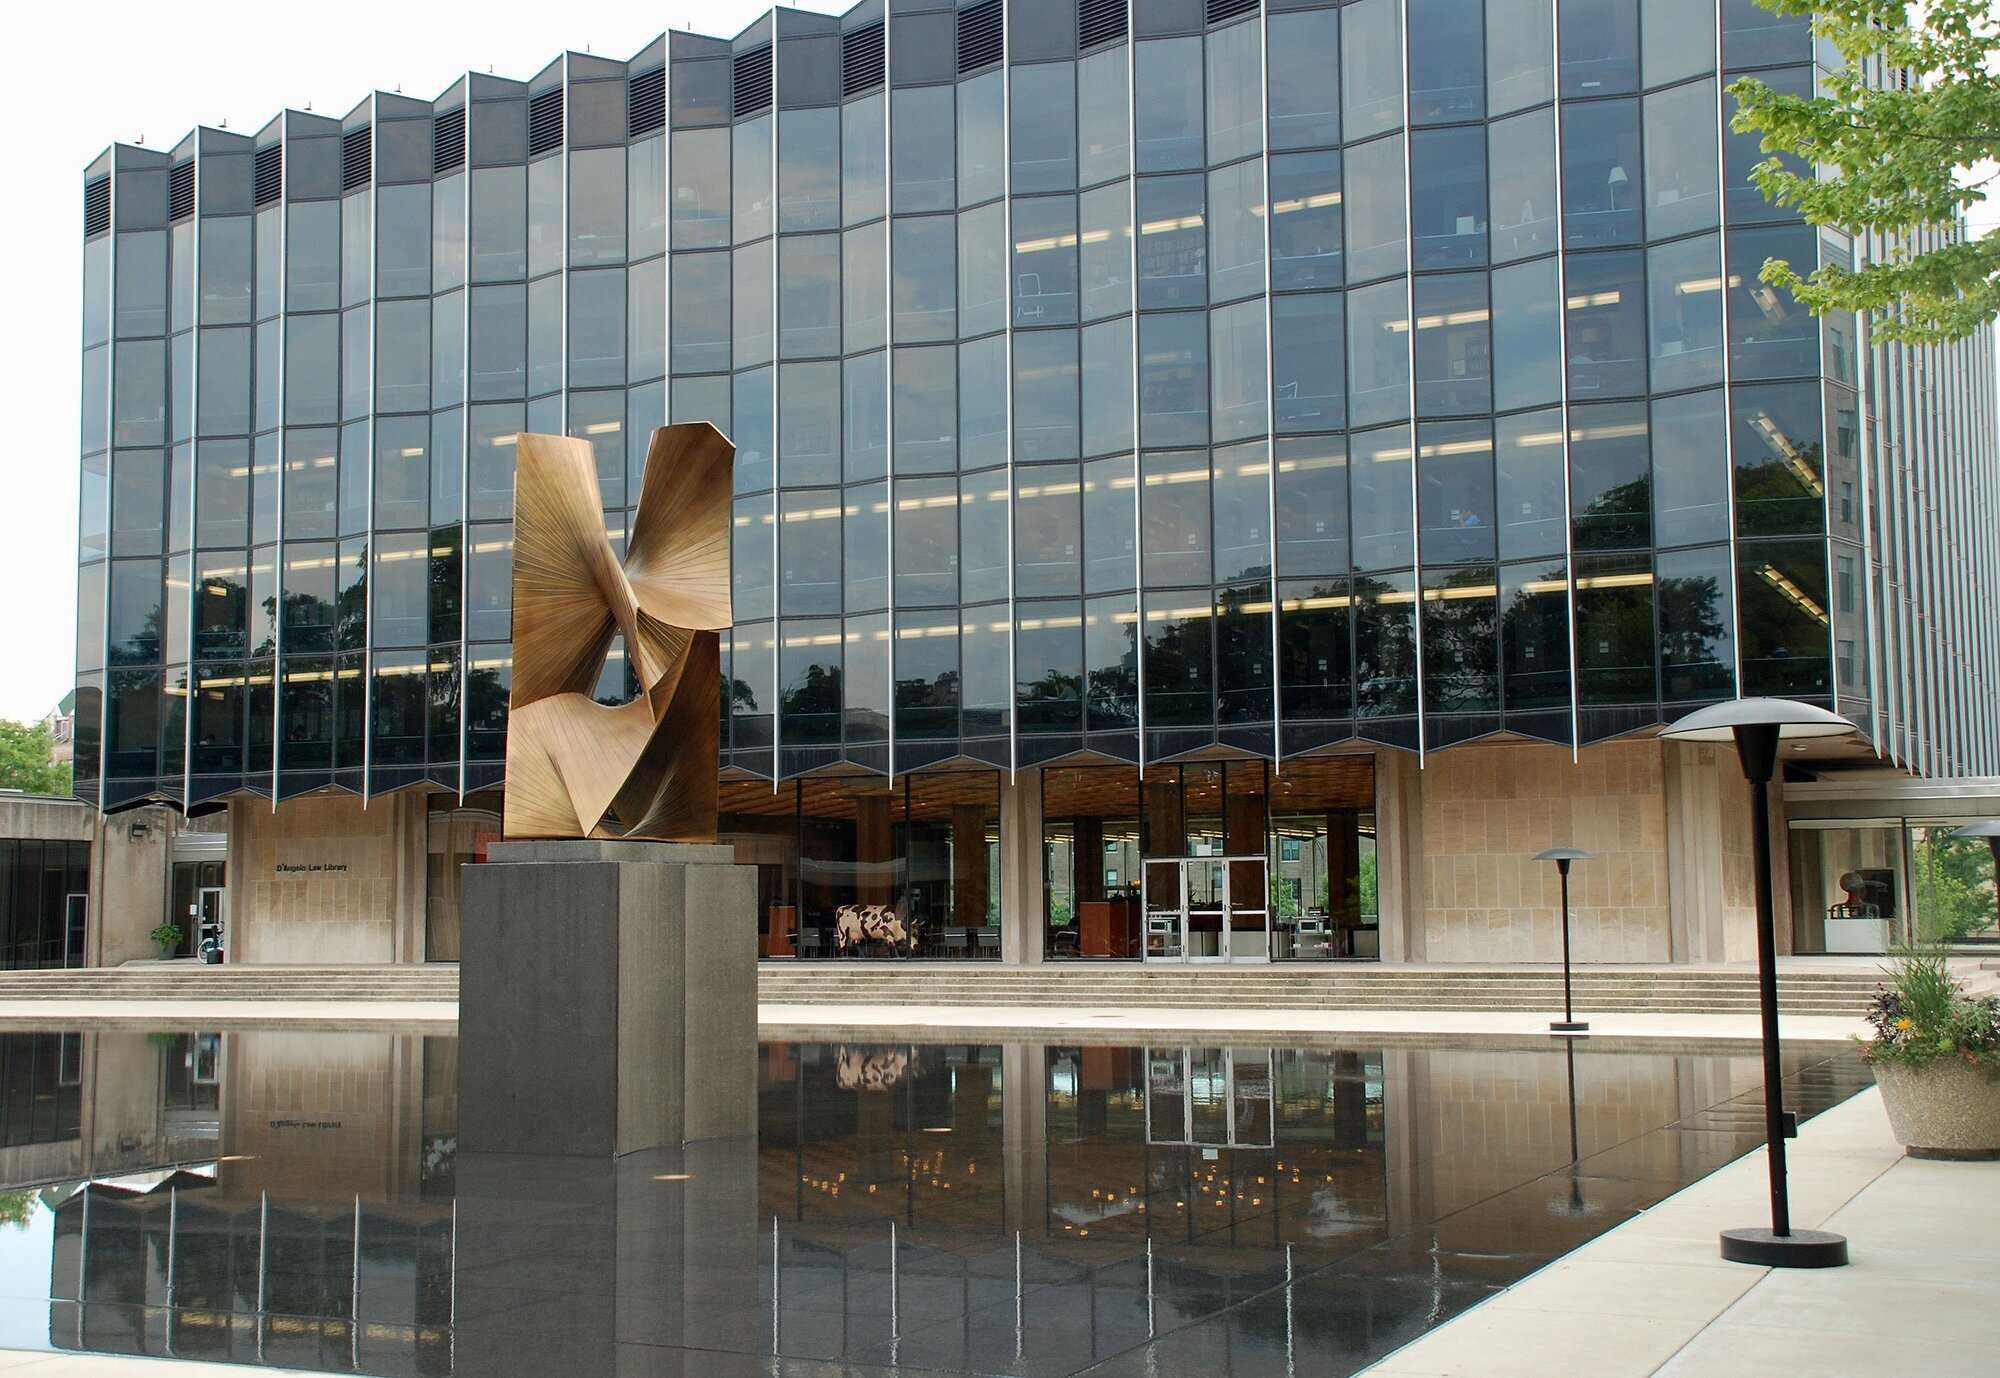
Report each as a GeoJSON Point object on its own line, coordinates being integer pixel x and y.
{"type": "Point", "coordinates": [1562, 857]}
{"type": "Point", "coordinates": [1757, 748]}
{"type": "Point", "coordinates": [1755, 726]}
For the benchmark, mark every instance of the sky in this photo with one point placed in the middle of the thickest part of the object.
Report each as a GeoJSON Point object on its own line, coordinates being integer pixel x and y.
{"type": "Point", "coordinates": [115, 71]}
{"type": "Point", "coordinates": [169, 69]}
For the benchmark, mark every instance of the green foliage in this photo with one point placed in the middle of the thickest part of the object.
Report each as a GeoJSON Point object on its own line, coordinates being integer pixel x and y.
{"type": "Point", "coordinates": [25, 763]}
{"type": "Point", "coordinates": [1923, 1015]}
{"type": "Point", "coordinates": [167, 935]}
{"type": "Point", "coordinates": [1061, 911]}
{"type": "Point", "coordinates": [1371, 903]}
{"type": "Point", "coordinates": [16, 1207]}
{"type": "Point", "coordinates": [1894, 159]}
{"type": "Point", "coordinates": [1954, 891]}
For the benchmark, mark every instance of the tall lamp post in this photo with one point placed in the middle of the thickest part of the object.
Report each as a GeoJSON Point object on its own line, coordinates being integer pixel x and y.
{"type": "Point", "coordinates": [1562, 857]}
{"type": "Point", "coordinates": [1756, 726]}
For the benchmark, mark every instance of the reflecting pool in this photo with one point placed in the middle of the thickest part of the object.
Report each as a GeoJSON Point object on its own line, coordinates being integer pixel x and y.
{"type": "Point", "coordinates": [296, 1199]}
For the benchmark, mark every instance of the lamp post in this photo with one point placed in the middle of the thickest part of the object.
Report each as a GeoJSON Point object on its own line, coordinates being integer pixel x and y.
{"type": "Point", "coordinates": [1562, 857]}
{"type": "Point", "coordinates": [1755, 726]}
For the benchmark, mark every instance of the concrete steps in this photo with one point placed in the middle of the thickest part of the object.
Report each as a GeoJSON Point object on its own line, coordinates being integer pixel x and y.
{"type": "Point", "coordinates": [1347, 988]}
{"type": "Point", "coordinates": [192, 981]}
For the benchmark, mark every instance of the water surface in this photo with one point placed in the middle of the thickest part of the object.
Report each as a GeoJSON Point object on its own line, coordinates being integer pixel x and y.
{"type": "Point", "coordinates": [296, 1199]}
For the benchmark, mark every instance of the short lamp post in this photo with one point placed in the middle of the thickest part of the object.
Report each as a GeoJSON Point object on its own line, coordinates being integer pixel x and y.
{"type": "Point", "coordinates": [1755, 726]}
{"type": "Point", "coordinates": [1562, 857]}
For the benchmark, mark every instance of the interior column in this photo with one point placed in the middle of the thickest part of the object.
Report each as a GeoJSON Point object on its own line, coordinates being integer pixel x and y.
{"type": "Point", "coordinates": [874, 882]}
{"type": "Point", "coordinates": [969, 880]}
{"type": "Point", "coordinates": [1343, 868]}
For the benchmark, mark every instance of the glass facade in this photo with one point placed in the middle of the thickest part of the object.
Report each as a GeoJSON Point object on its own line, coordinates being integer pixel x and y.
{"type": "Point", "coordinates": [1171, 381]}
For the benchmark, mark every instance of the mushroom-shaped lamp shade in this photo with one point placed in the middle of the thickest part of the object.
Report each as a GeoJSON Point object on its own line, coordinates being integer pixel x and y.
{"type": "Point", "coordinates": [1718, 722]}
{"type": "Point", "coordinates": [1985, 827]}
{"type": "Point", "coordinates": [1563, 854]}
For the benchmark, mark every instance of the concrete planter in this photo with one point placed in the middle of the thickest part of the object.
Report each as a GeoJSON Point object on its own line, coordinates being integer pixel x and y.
{"type": "Point", "coordinates": [1945, 1109]}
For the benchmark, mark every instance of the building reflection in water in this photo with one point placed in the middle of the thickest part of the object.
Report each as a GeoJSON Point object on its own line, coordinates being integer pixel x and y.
{"type": "Point", "coordinates": [296, 1200]}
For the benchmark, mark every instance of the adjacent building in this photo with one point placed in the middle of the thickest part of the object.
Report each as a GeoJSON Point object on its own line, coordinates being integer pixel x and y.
{"type": "Point", "coordinates": [1215, 481]}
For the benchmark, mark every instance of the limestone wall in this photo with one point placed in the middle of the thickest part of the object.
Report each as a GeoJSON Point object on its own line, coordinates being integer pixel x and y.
{"type": "Point", "coordinates": [324, 880]}
{"type": "Point", "coordinates": [130, 872]}
{"type": "Point", "coordinates": [1488, 809]}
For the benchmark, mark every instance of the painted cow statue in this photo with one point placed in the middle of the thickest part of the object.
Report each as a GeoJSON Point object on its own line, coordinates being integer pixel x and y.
{"type": "Point", "coordinates": [855, 924]}
{"type": "Point", "coordinates": [870, 1069]}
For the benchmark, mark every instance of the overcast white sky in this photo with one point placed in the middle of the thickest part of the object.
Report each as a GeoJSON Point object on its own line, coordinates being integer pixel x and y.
{"type": "Point", "coordinates": [116, 70]}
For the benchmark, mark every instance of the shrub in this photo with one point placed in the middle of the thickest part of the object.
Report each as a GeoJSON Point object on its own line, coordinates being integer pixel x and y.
{"type": "Point", "coordinates": [1922, 1014]}
{"type": "Point", "coordinates": [167, 935]}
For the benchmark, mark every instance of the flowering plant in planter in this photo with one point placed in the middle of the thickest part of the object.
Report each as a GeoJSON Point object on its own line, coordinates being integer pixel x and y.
{"type": "Point", "coordinates": [1924, 1015]}
{"type": "Point", "coordinates": [1935, 1051]}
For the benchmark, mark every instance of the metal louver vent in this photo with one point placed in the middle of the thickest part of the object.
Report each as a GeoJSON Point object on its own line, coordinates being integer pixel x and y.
{"type": "Point", "coordinates": [860, 60]}
{"type": "Point", "coordinates": [981, 35]}
{"type": "Point", "coordinates": [1221, 10]}
{"type": "Point", "coordinates": [357, 158]}
{"type": "Point", "coordinates": [1099, 21]}
{"type": "Point", "coordinates": [448, 141]}
{"type": "Point", "coordinates": [267, 174]}
{"type": "Point", "coordinates": [753, 81]}
{"type": "Point", "coordinates": [180, 190]}
{"type": "Point", "coordinates": [646, 102]}
{"type": "Point", "coordinates": [545, 122]}
{"type": "Point", "coordinates": [96, 207]}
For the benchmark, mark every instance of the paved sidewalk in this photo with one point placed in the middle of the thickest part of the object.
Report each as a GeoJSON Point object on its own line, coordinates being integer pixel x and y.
{"type": "Point", "coordinates": [904, 1022]}
{"type": "Point", "coordinates": [230, 1014]}
{"type": "Point", "coordinates": [1653, 1298]}
{"type": "Point", "coordinates": [959, 1021]}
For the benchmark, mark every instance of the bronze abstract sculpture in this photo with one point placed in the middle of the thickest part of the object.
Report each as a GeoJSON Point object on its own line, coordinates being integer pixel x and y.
{"type": "Point", "coordinates": [644, 769]}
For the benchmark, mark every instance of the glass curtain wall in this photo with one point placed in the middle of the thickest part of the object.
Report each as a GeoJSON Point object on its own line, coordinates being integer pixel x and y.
{"type": "Point", "coordinates": [860, 866]}
{"type": "Point", "coordinates": [1134, 379]}
{"type": "Point", "coordinates": [44, 889]}
{"type": "Point", "coordinates": [1313, 823]}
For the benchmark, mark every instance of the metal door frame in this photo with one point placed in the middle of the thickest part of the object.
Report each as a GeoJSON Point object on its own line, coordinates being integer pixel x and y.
{"type": "Point", "coordinates": [71, 901]}
{"type": "Point", "coordinates": [221, 893]}
{"type": "Point", "coordinates": [1181, 864]}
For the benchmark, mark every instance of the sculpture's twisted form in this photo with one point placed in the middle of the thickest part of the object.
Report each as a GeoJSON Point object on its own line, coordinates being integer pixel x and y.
{"type": "Point", "coordinates": [576, 768]}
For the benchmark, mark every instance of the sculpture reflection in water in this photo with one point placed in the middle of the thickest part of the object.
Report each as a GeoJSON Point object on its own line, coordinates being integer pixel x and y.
{"type": "Point", "coordinates": [981, 1208]}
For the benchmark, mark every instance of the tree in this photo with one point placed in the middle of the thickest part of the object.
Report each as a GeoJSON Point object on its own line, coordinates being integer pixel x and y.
{"type": "Point", "coordinates": [16, 1207]}
{"type": "Point", "coordinates": [1902, 159]}
{"type": "Point", "coordinates": [25, 762]}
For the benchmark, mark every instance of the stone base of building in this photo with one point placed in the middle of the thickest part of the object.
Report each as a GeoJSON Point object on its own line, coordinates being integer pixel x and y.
{"type": "Point", "coordinates": [607, 998]}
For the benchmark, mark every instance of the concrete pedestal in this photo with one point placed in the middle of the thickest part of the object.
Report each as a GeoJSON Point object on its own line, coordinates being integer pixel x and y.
{"type": "Point", "coordinates": [607, 998]}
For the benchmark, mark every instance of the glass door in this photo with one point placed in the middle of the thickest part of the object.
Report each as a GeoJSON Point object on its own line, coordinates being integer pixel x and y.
{"type": "Point", "coordinates": [1249, 910]}
{"type": "Point", "coordinates": [208, 923]}
{"type": "Point", "coordinates": [1165, 906]}
{"type": "Point", "coordinates": [1207, 881]}
{"type": "Point", "coordinates": [76, 910]}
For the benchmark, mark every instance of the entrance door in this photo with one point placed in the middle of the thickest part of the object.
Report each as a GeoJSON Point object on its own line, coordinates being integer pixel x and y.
{"type": "Point", "coordinates": [1164, 902]}
{"type": "Point", "coordinates": [76, 910]}
{"type": "Point", "coordinates": [1208, 909]}
{"type": "Point", "coordinates": [1249, 910]}
{"type": "Point", "coordinates": [1207, 913]}
{"type": "Point", "coordinates": [208, 921]}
